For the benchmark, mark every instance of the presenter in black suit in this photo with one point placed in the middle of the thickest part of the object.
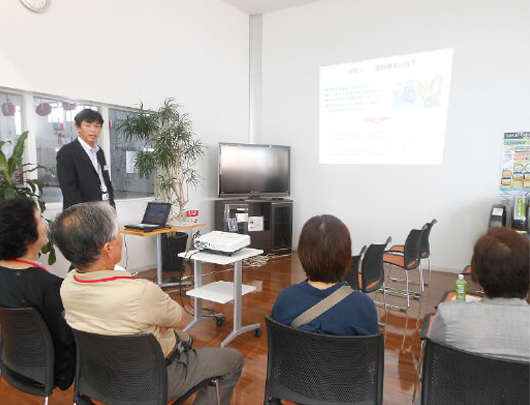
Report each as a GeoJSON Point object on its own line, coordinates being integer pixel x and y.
{"type": "Point", "coordinates": [81, 167]}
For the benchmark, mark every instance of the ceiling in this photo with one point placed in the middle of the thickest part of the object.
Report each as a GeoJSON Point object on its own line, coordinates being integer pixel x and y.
{"type": "Point", "coordinates": [265, 6]}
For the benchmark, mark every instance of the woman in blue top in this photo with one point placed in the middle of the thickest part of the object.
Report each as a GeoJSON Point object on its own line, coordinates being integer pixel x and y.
{"type": "Point", "coordinates": [324, 250]}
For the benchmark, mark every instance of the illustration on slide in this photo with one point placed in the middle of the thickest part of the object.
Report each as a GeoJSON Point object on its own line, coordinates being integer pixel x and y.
{"type": "Point", "coordinates": [418, 93]}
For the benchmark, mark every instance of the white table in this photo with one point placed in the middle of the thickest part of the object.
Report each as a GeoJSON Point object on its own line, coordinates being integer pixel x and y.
{"type": "Point", "coordinates": [221, 291]}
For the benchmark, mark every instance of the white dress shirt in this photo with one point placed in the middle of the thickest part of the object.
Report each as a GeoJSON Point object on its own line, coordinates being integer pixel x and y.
{"type": "Point", "coordinates": [92, 155]}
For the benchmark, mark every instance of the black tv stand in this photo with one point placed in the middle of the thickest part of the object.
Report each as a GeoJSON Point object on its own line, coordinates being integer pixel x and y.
{"type": "Point", "coordinates": [269, 222]}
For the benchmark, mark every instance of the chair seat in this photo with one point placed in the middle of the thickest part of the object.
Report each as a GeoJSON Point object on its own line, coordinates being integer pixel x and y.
{"type": "Point", "coordinates": [397, 248]}
{"type": "Point", "coordinates": [369, 286]}
{"type": "Point", "coordinates": [399, 260]}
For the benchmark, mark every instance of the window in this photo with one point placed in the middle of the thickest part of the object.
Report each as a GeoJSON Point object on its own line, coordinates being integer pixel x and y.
{"type": "Point", "coordinates": [51, 122]}
{"type": "Point", "coordinates": [10, 120]}
{"type": "Point", "coordinates": [126, 182]}
{"type": "Point", "coordinates": [54, 127]}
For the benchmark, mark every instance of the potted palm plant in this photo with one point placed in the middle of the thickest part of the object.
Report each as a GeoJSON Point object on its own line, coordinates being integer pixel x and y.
{"type": "Point", "coordinates": [170, 152]}
{"type": "Point", "coordinates": [14, 182]}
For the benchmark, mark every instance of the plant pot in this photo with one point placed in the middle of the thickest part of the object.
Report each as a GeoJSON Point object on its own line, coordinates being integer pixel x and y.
{"type": "Point", "coordinates": [171, 247]}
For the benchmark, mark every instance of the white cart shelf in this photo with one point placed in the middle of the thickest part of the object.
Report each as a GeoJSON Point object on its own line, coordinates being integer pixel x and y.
{"type": "Point", "coordinates": [221, 291]}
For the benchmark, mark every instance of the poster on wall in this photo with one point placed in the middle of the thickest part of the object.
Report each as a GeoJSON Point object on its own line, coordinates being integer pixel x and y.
{"type": "Point", "coordinates": [515, 166]}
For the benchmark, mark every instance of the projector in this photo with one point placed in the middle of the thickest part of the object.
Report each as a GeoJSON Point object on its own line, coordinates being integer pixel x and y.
{"type": "Point", "coordinates": [222, 242]}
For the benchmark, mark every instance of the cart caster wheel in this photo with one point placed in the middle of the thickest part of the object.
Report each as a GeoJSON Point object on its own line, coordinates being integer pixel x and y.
{"type": "Point", "coordinates": [257, 333]}
{"type": "Point", "coordinates": [220, 321]}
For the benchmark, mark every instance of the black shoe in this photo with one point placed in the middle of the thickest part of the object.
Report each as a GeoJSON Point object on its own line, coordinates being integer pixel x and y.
{"type": "Point", "coordinates": [84, 400]}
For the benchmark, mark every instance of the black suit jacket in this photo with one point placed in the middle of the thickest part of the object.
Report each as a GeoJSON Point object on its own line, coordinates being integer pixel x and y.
{"type": "Point", "coordinates": [78, 180]}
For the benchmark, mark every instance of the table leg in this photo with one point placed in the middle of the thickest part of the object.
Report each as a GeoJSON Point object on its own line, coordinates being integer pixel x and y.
{"type": "Point", "coordinates": [159, 259]}
{"type": "Point", "coordinates": [238, 329]}
{"type": "Point", "coordinates": [197, 275]}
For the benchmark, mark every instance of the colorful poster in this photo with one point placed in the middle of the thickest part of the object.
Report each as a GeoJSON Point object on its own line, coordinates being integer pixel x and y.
{"type": "Point", "coordinates": [515, 167]}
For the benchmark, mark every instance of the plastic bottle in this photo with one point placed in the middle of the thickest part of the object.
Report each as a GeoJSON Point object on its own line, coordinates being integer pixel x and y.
{"type": "Point", "coordinates": [460, 288]}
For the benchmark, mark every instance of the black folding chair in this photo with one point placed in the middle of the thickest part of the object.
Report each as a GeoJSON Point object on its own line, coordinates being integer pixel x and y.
{"type": "Point", "coordinates": [406, 257]}
{"type": "Point", "coordinates": [425, 247]}
{"type": "Point", "coordinates": [27, 355]}
{"type": "Point", "coordinates": [316, 369]}
{"type": "Point", "coordinates": [124, 370]}
{"type": "Point", "coordinates": [453, 376]}
{"type": "Point", "coordinates": [371, 276]}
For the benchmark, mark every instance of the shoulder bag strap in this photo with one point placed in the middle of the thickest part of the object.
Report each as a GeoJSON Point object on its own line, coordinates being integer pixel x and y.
{"type": "Point", "coordinates": [322, 306]}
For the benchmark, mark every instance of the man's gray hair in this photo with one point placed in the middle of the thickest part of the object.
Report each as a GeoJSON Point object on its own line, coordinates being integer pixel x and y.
{"type": "Point", "coordinates": [82, 230]}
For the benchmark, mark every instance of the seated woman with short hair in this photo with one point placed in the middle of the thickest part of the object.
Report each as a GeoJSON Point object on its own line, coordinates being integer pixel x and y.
{"type": "Point", "coordinates": [499, 324]}
{"type": "Point", "coordinates": [24, 283]}
{"type": "Point", "coordinates": [324, 250]}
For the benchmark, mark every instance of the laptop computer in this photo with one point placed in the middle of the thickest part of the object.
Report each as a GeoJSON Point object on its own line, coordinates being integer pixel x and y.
{"type": "Point", "coordinates": [155, 217]}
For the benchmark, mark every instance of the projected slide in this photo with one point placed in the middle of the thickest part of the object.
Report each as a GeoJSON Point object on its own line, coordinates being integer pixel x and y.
{"type": "Point", "coordinates": [385, 111]}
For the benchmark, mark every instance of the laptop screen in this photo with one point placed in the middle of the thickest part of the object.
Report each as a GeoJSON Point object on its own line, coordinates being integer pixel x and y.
{"type": "Point", "coordinates": [156, 213]}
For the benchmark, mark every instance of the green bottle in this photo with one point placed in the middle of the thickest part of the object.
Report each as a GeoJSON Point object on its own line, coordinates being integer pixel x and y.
{"type": "Point", "coordinates": [460, 288]}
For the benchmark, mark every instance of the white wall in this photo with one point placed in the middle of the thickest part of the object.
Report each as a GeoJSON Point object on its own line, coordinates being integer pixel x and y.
{"type": "Point", "coordinates": [489, 96]}
{"type": "Point", "coordinates": [123, 51]}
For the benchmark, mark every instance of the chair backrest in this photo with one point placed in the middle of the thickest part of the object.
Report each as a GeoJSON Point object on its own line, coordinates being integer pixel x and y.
{"type": "Point", "coordinates": [412, 248]}
{"type": "Point", "coordinates": [372, 268]}
{"type": "Point", "coordinates": [453, 376]}
{"type": "Point", "coordinates": [316, 369]}
{"type": "Point", "coordinates": [120, 370]}
{"type": "Point", "coordinates": [26, 349]}
{"type": "Point", "coordinates": [425, 248]}
{"type": "Point", "coordinates": [352, 275]}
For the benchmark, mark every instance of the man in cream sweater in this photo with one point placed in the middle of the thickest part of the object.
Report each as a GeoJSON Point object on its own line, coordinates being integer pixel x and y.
{"type": "Point", "coordinates": [98, 299]}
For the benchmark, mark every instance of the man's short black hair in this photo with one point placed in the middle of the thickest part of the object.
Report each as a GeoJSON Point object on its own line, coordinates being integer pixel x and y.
{"type": "Point", "coordinates": [89, 116]}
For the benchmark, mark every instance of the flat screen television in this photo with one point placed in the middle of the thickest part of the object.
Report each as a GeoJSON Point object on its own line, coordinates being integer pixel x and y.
{"type": "Point", "coordinates": [252, 170]}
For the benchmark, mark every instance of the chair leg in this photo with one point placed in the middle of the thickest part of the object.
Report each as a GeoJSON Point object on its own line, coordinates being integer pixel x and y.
{"type": "Point", "coordinates": [408, 292]}
{"type": "Point", "coordinates": [418, 283]}
{"type": "Point", "coordinates": [45, 400]}
{"type": "Point", "coordinates": [218, 391]}
{"type": "Point", "coordinates": [420, 270]}
{"type": "Point", "coordinates": [384, 304]}
{"type": "Point", "coordinates": [428, 283]}
{"type": "Point", "coordinates": [382, 289]}
{"type": "Point", "coordinates": [405, 331]}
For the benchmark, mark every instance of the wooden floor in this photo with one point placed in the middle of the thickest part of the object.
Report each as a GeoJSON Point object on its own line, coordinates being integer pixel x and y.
{"type": "Point", "coordinates": [402, 343]}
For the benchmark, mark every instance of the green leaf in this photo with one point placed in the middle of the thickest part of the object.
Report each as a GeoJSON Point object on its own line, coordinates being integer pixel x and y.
{"type": "Point", "coordinates": [49, 249]}
{"type": "Point", "coordinates": [10, 193]}
{"type": "Point", "coordinates": [46, 248]}
{"type": "Point", "coordinates": [14, 184]}
{"type": "Point", "coordinates": [3, 160]}
{"type": "Point", "coordinates": [18, 150]}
